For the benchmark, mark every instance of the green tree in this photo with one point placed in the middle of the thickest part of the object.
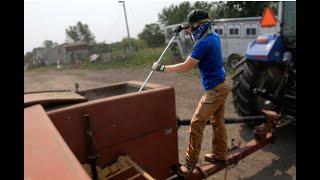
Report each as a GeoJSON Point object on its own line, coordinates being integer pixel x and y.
{"type": "Point", "coordinates": [136, 43]}
{"type": "Point", "coordinates": [28, 56]}
{"type": "Point", "coordinates": [80, 33]}
{"type": "Point", "coordinates": [100, 47]}
{"type": "Point", "coordinates": [116, 46]}
{"type": "Point", "coordinates": [174, 13]}
{"type": "Point", "coordinates": [49, 44]}
{"type": "Point", "coordinates": [37, 48]}
{"type": "Point", "coordinates": [203, 5]}
{"type": "Point", "coordinates": [178, 13]}
{"type": "Point", "coordinates": [231, 9]}
{"type": "Point", "coordinates": [153, 35]}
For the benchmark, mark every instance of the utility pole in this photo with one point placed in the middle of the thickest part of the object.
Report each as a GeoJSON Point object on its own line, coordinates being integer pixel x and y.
{"type": "Point", "coordinates": [125, 16]}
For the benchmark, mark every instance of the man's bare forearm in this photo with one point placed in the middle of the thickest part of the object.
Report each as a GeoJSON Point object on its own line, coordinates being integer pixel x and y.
{"type": "Point", "coordinates": [181, 67]}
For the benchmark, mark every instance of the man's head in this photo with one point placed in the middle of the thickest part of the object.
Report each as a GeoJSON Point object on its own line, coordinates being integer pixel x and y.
{"type": "Point", "coordinates": [197, 17]}
{"type": "Point", "coordinates": [198, 24]}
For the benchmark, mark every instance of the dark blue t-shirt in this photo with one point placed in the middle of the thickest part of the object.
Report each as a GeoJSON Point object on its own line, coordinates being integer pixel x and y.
{"type": "Point", "coordinates": [208, 51]}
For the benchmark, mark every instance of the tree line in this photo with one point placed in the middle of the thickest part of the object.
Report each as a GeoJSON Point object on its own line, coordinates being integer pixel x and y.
{"type": "Point", "coordinates": [231, 9]}
{"type": "Point", "coordinates": [152, 35]}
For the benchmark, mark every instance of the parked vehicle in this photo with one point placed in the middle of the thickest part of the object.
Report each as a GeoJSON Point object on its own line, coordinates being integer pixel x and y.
{"type": "Point", "coordinates": [235, 34]}
{"type": "Point", "coordinates": [265, 78]}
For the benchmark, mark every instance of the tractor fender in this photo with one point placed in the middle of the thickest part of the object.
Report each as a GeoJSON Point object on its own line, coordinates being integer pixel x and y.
{"type": "Point", "coordinates": [266, 48]}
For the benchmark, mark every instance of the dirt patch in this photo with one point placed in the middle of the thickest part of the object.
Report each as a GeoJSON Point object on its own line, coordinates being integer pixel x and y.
{"type": "Point", "coordinates": [277, 161]}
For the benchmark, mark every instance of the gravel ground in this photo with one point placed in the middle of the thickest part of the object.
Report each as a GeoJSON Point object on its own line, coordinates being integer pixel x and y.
{"type": "Point", "coordinates": [276, 161]}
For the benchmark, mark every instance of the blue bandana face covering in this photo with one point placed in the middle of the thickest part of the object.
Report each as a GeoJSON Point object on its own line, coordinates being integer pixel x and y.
{"type": "Point", "coordinates": [198, 32]}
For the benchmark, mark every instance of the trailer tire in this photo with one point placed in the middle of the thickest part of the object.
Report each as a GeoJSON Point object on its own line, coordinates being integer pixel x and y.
{"type": "Point", "coordinates": [249, 75]}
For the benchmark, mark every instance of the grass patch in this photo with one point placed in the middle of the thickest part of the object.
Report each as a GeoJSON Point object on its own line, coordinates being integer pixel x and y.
{"type": "Point", "coordinates": [142, 59]}
{"type": "Point", "coordinates": [139, 59]}
{"type": "Point", "coordinates": [41, 69]}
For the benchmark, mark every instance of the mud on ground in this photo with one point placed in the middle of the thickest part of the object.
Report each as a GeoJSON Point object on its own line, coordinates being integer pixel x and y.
{"type": "Point", "coordinates": [275, 161]}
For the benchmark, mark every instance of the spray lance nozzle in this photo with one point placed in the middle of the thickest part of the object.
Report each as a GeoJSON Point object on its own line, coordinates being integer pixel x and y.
{"type": "Point", "coordinates": [179, 28]}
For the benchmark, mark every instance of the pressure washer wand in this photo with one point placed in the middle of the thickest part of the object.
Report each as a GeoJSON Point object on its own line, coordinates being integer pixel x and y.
{"type": "Point", "coordinates": [158, 62]}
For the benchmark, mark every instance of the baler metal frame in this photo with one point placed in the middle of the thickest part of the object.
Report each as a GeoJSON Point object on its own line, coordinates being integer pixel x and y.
{"type": "Point", "coordinates": [263, 135]}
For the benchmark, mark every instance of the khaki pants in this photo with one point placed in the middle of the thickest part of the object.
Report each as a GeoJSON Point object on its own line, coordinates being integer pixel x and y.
{"type": "Point", "coordinates": [210, 107]}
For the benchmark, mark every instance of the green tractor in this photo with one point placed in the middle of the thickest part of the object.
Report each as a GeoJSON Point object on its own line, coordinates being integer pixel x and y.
{"type": "Point", "coordinates": [265, 78]}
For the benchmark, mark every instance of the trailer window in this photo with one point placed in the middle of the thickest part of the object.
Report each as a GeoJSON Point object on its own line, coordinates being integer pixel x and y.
{"type": "Point", "coordinates": [219, 31]}
{"type": "Point", "coordinates": [234, 31]}
{"type": "Point", "coordinates": [254, 31]}
{"type": "Point", "coordinates": [248, 31]}
{"type": "Point", "coordinates": [251, 31]}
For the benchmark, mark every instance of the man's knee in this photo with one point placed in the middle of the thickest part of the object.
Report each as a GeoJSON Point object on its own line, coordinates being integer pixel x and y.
{"type": "Point", "coordinates": [198, 123]}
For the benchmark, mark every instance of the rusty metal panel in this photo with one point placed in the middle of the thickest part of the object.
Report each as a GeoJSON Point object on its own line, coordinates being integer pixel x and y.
{"type": "Point", "coordinates": [46, 155]}
{"type": "Point", "coordinates": [155, 152]}
{"type": "Point", "coordinates": [142, 125]}
{"type": "Point", "coordinates": [46, 98]}
{"type": "Point", "coordinates": [116, 89]}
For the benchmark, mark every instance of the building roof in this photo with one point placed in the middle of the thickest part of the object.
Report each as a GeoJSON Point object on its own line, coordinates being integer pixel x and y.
{"type": "Point", "coordinates": [76, 46]}
{"type": "Point", "coordinates": [237, 19]}
{"type": "Point", "coordinates": [226, 20]}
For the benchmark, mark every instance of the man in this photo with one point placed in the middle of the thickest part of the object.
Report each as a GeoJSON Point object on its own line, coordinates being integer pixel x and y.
{"type": "Point", "coordinates": [206, 53]}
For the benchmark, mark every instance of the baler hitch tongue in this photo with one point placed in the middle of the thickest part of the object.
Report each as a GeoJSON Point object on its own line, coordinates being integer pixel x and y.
{"type": "Point", "coordinates": [263, 136]}
{"type": "Point", "coordinates": [261, 132]}
{"type": "Point", "coordinates": [241, 120]}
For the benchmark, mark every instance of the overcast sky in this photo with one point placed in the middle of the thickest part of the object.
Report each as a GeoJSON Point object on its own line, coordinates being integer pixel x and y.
{"type": "Point", "coordinates": [48, 19]}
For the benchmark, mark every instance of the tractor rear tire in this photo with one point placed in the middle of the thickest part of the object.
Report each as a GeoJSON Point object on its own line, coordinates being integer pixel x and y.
{"type": "Point", "coordinates": [232, 60]}
{"type": "Point", "coordinates": [249, 75]}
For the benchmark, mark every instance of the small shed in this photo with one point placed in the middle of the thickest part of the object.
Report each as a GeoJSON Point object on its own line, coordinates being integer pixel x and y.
{"type": "Point", "coordinates": [52, 55]}
{"type": "Point", "coordinates": [65, 53]}
{"type": "Point", "coordinates": [76, 51]}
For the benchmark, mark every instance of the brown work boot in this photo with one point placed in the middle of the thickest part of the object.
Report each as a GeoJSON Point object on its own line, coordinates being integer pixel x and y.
{"type": "Point", "coordinates": [186, 169]}
{"type": "Point", "coordinates": [211, 157]}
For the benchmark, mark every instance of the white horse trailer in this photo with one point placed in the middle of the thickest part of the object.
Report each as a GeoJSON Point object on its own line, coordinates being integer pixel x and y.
{"type": "Point", "coordinates": [235, 35]}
